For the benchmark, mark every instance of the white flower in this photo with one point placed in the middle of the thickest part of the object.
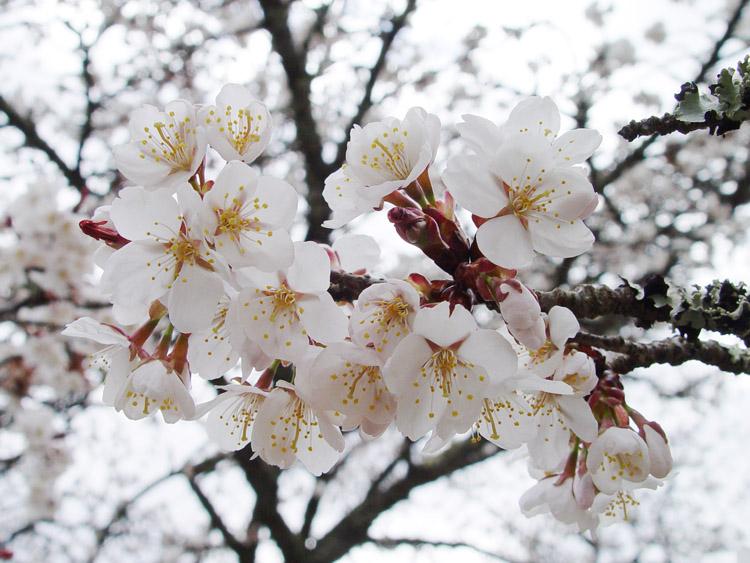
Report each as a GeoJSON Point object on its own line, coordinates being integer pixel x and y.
{"type": "Point", "coordinates": [166, 147]}
{"type": "Point", "coordinates": [506, 420]}
{"type": "Point", "coordinates": [562, 325]}
{"type": "Point", "coordinates": [167, 255]}
{"type": "Point", "coordinates": [250, 216]}
{"type": "Point", "coordinates": [618, 455]}
{"type": "Point", "coordinates": [659, 454]}
{"type": "Point", "coordinates": [619, 506]}
{"type": "Point", "coordinates": [210, 351]}
{"type": "Point", "coordinates": [155, 386]}
{"type": "Point", "coordinates": [282, 311]}
{"type": "Point", "coordinates": [232, 415]}
{"type": "Point", "coordinates": [287, 428]}
{"type": "Point", "coordinates": [520, 310]}
{"type": "Point", "coordinates": [347, 379]}
{"type": "Point", "coordinates": [534, 200]}
{"type": "Point", "coordinates": [559, 500]}
{"type": "Point", "coordinates": [390, 154]}
{"type": "Point", "coordinates": [559, 409]}
{"type": "Point", "coordinates": [114, 358]}
{"type": "Point", "coordinates": [356, 253]}
{"type": "Point", "coordinates": [381, 157]}
{"type": "Point", "coordinates": [341, 192]}
{"type": "Point", "coordinates": [238, 126]}
{"type": "Point", "coordinates": [441, 371]}
{"type": "Point", "coordinates": [383, 316]}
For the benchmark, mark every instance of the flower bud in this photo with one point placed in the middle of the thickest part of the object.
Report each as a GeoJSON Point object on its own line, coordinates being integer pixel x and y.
{"type": "Point", "coordinates": [522, 313]}
{"type": "Point", "coordinates": [101, 230]}
{"type": "Point", "coordinates": [658, 452]}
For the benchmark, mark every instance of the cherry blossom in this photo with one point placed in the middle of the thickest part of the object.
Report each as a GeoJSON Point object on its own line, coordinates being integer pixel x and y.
{"type": "Point", "coordinates": [282, 311]}
{"type": "Point", "coordinates": [288, 427]}
{"type": "Point", "coordinates": [381, 157]}
{"type": "Point", "coordinates": [561, 325]}
{"type": "Point", "coordinates": [529, 196]}
{"type": "Point", "coordinates": [618, 455]}
{"type": "Point", "coordinates": [155, 386]}
{"type": "Point", "coordinates": [659, 454]}
{"type": "Point", "coordinates": [560, 500]}
{"type": "Point", "coordinates": [249, 217]}
{"type": "Point", "coordinates": [383, 316]}
{"type": "Point", "coordinates": [166, 258]}
{"type": "Point", "coordinates": [166, 147]}
{"type": "Point", "coordinates": [521, 312]}
{"type": "Point", "coordinates": [440, 372]}
{"type": "Point", "coordinates": [211, 352]}
{"type": "Point", "coordinates": [114, 358]}
{"type": "Point", "coordinates": [238, 126]}
{"type": "Point", "coordinates": [561, 409]}
{"type": "Point", "coordinates": [506, 419]}
{"type": "Point", "coordinates": [348, 379]}
{"type": "Point", "coordinates": [232, 415]}
{"type": "Point", "coordinates": [344, 194]}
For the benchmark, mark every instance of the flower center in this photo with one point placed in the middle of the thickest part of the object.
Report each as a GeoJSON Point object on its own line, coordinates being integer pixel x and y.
{"type": "Point", "coordinates": [168, 142]}
{"type": "Point", "coordinates": [542, 353]}
{"type": "Point", "coordinates": [389, 156]}
{"type": "Point", "coordinates": [283, 299]}
{"type": "Point", "coordinates": [183, 251]}
{"type": "Point", "coordinates": [231, 221]}
{"type": "Point", "coordinates": [392, 312]}
{"type": "Point", "coordinates": [243, 130]}
{"type": "Point", "coordinates": [443, 366]}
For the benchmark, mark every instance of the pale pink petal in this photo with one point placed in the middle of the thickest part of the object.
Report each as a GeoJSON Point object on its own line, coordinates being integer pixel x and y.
{"type": "Point", "coordinates": [442, 327]}
{"type": "Point", "coordinates": [535, 115]}
{"type": "Point", "coordinates": [193, 299]}
{"type": "Point", "coordinates": [311, 270]}
{"type": "Point", "coordinates": [574, 147]}
{"type": "Point", "coordinates": [324, 321]}
{"type": "Point", "coordinates": [474, 187]}
{"type": "Point", "coordinates": [505, 242]}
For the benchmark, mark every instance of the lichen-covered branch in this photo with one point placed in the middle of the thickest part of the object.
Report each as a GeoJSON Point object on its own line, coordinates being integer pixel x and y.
{"type": "Point", "coordinates": [669, 123]}
{"type": "Point", "coordinates": [675, 351]}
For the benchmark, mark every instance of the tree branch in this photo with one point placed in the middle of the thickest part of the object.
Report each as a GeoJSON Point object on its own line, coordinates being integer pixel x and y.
{"type": "Point", "coordinates": [391, 543]}
{"type": "Point", "coordinates": [397, 23]}
{"type": "Point", "coordinates": [216, 522]}
{"type": "Point", "coordinates": [34, 141]}
{"type": "Point", "coordinates": [352, 530]}
{"type": "Point", "coordinates": [276, 21]}
{"type": "Point", "coordinates": [675, 351]}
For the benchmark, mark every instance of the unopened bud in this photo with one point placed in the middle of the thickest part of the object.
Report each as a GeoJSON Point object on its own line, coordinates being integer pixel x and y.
{"type": "Point", "coordinates": [100, 231]}
{"type": "Point", "coordinates": [659, 454]}
{"type": "Point", "coordinates": [521, 312]}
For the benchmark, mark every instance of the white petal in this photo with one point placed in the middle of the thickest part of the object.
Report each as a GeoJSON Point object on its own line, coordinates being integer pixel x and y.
{"type": "Point", "coordinates": [193, 299]}
{"type": "Point", "coordinates": [488, 349]}
{"type": "Point", "coordinates": [536, 116]}
{"type": "Point", "coordinates": [311, 270]}
{"type": "Point", "coordinates": [86, 327]}
{"type": "Point", "coordinates": [142, 215]}
{"type": "Point", "coordinates": [357, 252]}
{"type": "Point", "coordinates": [442, 327]}
{"type": "Point", "coordinates": [324, 321]}
{"type": "Point", "coordinates": [474, 186]}
{"type": "Point", "coordinates": [482, 136]}
{"type": "Point", "coordinates": [405, 364]}
{"type": "Point", "coordinates": [563, 325]}
{"type": "Point", "coordinates": [574, 147]}
{"type": "Point", "coordinates": [579, 417]}
{"type": "Point", "coordinates": [562, 239]}
{"type": "Point", "coordinates": [505, 242]}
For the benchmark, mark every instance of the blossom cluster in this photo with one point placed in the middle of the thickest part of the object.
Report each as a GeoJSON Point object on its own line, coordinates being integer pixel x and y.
{"type": "Point", "coordinates": [205, 279]}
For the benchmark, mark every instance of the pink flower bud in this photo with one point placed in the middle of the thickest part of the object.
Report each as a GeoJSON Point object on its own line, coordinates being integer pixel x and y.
{"type": "Point", "coordinates": [659, 453]}
{"type": "Point", "coordinates": [522, 313]}
{"type": "Point", "coordinates": [583, 490]}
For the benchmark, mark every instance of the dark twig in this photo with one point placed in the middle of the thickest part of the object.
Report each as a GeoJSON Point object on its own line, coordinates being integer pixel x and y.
{"type": "Point", "coordinates": [397, 23]}
{"type": "Point", "coordinates": [675, 351]}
